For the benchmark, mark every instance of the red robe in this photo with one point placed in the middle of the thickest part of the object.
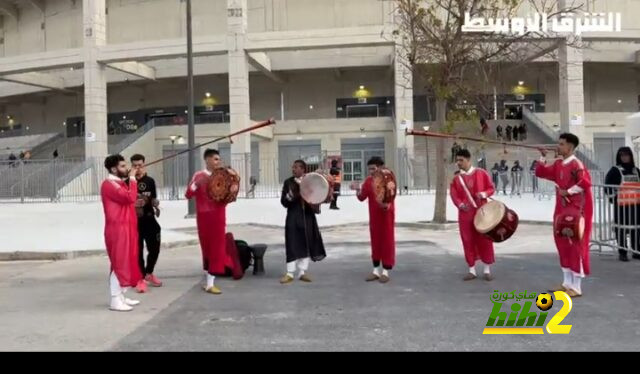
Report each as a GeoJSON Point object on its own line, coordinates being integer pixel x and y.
{"type": "Point", "coordinates": [121, 228]}
{"type": "Point", "coordinates": [478, 182]}
{"type": "Point", "coordinates": [381, 227]}
{"type": "Point", "coordinates": [571, 175]}
{"type": "Point", "coordinates": [211, 220]}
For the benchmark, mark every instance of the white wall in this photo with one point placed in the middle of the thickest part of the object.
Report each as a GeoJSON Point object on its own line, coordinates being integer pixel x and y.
{"type": "Point", "coordinates": [281, 15]}
{"type": "Point", "coordinates": [606, 83]}
{"type": "Point", "coordinates": [596, 122]}
{"type": "Point", "coordinates": [630, 10]}
{"type": "Point", "coordinates": [62, 21]}
{"type": "Point", "coordinates": [136, 20]}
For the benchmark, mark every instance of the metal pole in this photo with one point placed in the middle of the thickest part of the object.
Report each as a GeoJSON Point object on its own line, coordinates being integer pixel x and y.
{"type": "Point", "coordinates": [191, 114]}
{"type": "Point", "coordinates": [282, 106]}
{"type": "Point", "coordinates": [22, 181]}
{"type": "Point", "coordinates": [173, 177]}
{"type": "Point", "coordinates": [55, 180]}
{"type": "Point", "coordinates": [495, 103]}
{"type": "Point", "coordinates": [428, 167]}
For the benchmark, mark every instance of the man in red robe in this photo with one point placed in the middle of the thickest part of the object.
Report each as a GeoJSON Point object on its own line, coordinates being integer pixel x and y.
{"type": "Point", "coordinates": [381, 226]}
{"type": "Point", "coordinates": [121, 231]}
{"type": "Point", "coordinates": [573, 197]}
{"type": "Point", "coordinates": [469, 190]}
{"type": "Point", "coordinates": [211, 221]}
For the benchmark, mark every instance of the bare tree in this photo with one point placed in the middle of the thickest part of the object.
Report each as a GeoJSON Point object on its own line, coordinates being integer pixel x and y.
{"type": "Point", "coordinates": [458, 65]}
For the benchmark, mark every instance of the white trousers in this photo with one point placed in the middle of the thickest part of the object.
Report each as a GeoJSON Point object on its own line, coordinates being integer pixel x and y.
{"type": "Point", "coordinates": [302, 265]}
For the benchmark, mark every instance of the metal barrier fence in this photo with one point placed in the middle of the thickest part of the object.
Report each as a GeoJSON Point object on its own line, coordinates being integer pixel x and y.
{"type": "Point", "coordinates": [77, 180]}
{"type": "Point", "coordinates": [615, 225]}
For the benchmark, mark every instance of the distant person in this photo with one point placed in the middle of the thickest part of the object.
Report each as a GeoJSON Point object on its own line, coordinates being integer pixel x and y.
{"type": "Point", "coordinates": [499, 133]}
{"type": "Point", "coordinates": [55, 154]}
{"type": "Point", "coordinates": [21, 155]}
{"type": "Point", "coordinates": [454, 150]}
{"type": "Point", "coordinates": [482, 162]}
{"type": "Point", "coordinates": [516, 178]}
{"type": "Point", "coordinates": [534, 179]}
{"type": "Point", "coordinates": [508, 131]}
{"type": "Point", "coordinates": [12, 160]}
{"type": "Point", "coordinates": [495, 171]}
{"type": "Point", "coordinates": [503, 170]}
{"type": "Point", "coordinates": [336, 172]}
{"type": "Point", "coordinates": [516, 132]}
{"type": "Point", "coordinates": [523, 132]}
{"type": "Point", "coordinates": [484, 127]}
{"type": "Point", "coordinates": [253, 182]}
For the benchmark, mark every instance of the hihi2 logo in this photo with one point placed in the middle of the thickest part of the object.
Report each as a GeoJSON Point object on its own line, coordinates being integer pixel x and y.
{"type": "Point", "coordinates": [521, 320]}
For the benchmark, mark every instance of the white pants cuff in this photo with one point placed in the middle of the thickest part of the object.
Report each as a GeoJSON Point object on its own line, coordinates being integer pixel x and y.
{"type": "Point", "coordinates": [291, 267]}
{"type": "Point", "coordinates": [303, 264]}
{"type": "Point", "coordinates": [114, 285]}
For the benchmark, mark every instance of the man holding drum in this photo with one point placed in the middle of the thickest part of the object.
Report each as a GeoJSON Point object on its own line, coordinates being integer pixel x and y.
{"type": "Point", "coordinates": [381, 225]}
{"type": "Point", "coordinates": [572, 219]}
{"type": "Point", "coordinates": [211, 221]}
{"type": "Point", "coordinates": [303, 241]}
{"type": "Point", "coordinates": [470, 189]}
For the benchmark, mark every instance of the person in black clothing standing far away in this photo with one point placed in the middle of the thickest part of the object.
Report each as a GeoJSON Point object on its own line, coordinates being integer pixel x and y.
{"type": "Point", "coordinates": [337, 179]}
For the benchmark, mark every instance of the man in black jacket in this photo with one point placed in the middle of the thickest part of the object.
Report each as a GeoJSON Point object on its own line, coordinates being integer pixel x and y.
{"type": "Point", "coordinates": [147, 208]}
{"type": "Point", "coordinates": [626, 213]}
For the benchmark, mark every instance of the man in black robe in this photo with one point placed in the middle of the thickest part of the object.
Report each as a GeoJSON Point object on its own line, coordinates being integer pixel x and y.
{"type": "Point", "coordinates": [303, 241]}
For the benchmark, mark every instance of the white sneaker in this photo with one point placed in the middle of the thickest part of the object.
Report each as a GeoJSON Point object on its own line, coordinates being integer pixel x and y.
{"type": "Point", "coordinates": [131, 302]}
{"type": "Point", "coordinates": [118, 304]}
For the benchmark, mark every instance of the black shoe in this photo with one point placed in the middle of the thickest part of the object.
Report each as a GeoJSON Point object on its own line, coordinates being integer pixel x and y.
{"type": "Point", "coordinates": [623, 257]}
{"type": "Point", "coordinates": [635, 256]}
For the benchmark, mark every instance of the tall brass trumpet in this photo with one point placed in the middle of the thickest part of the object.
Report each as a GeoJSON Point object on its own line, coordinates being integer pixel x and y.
{"type": "Point", "coordinates": [479, 140]}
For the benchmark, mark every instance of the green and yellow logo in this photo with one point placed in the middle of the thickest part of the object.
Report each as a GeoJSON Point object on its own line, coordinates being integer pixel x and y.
{"type": "Point", "coordinates": [522, 320]}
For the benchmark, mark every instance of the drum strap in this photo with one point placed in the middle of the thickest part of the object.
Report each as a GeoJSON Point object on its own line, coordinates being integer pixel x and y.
{"type": "Point", "coordinates": [466, 190]}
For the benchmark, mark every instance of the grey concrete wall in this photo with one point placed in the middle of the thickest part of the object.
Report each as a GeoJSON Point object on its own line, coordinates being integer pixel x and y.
{"type": "Point", "coordinates": [281, 15]}
{"type": "Point", "coordinates": [59, 28]}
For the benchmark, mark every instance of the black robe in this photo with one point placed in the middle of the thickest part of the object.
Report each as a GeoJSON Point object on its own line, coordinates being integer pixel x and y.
{"type": "Point", "coordinates": [302, 235]}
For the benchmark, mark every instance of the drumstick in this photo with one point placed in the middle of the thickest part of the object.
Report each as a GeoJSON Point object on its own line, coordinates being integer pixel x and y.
{"type": "Point", "coordinates": [257, 126]}
{"type": "Point", "coordinates": [558, 187]}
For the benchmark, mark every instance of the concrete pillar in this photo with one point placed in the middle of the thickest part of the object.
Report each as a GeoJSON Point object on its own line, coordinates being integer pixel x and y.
{"type": "Point", "coordinates": [572, 114]}
{"type": "Point", "coordinates": [239, 88]}
{"type": "Point", "coordinates": [403, 92]}
{"type": "Point", "coordinates": [403, 88]}
{"type": "Point", "coordinates": [95, 79]}
{"type": "Point", "coordinates": [571, 63]}
{"type": "Point", "coordinates": [95, 89]}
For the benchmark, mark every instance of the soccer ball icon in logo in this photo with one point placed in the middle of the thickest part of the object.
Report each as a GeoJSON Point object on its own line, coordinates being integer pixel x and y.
{"type": "Point", "coordinates": [544, 302]}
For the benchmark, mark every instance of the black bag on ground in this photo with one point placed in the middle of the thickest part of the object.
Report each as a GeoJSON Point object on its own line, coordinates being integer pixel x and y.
{"type": "Point", "coordinates": [244, 253]}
